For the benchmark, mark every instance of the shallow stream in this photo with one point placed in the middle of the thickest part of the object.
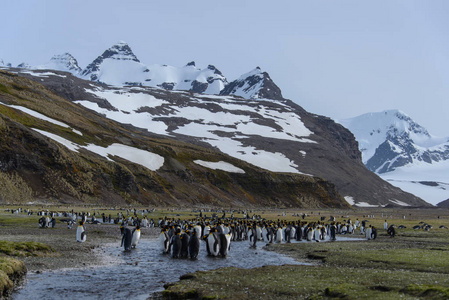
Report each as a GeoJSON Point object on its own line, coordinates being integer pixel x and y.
{"type": "Point", "coordinates": [138, 273]}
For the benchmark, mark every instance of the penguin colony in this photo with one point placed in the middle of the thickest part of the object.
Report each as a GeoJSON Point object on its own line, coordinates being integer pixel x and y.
{"type": "Point", "coordinates": [182, 239]}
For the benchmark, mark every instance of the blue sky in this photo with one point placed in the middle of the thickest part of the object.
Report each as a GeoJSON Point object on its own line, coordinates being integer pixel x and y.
{"type": "Point", "coordinates": [335, 58]}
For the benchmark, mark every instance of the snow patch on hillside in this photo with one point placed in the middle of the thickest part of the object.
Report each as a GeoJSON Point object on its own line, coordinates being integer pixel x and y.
{"type": "Point", "coordinates": [221, 165]}
{"type": "Point", "coordinates": [350, 200]}
{"type": "Point", "coordinates": [144, 158]}
{"type": "Point", "coordinates": [126, 100]}
{"type": "Point", "coordinates": [41, 116]}
{"type": "Point", "coordinates": [42, 74]}
{"type": "Point", "coordinates": [70, 145]}
{"type": "Point", "coordinates": [400, 203]}
{"type": "Point", "coordinates": [141, 120]}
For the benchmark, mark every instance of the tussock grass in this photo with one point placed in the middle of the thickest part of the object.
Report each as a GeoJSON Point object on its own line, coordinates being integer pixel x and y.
{"type": "Point", "coordinates": [10, 271]}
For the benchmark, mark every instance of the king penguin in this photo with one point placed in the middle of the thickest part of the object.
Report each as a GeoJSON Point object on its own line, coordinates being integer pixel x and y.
{"type": "Point", "coordinates": [126, 238]}
{"type": "Point", "coordinates": [164, 241]}
{"type": "Point", "coordinates": [368, 232]}
{"type": "Point", "coordinates": [135, 236]}
{"type": "Point", "coordinates": [194, 245]}
{"type": "Point", "coordinates": [213, 242]}
{"type": "Point", "coordinates": [310, 233]}
{"type": "Point", "coordinates": [81, 233]}
{"type": "Point", "coordinates": [225, 241]}
{"type": "Point", "coordinates": [185, 237]}
{"type": "Point", "coordinates": [298, 232]}
{"type": "Point", "coordinates": [176, 244]}
{"type": "Point", "coordinates": [279, 235]}
{"type": "Point", "coordinates": [332, 232]}
{"type": "Point", "coordinates": [252, 237]}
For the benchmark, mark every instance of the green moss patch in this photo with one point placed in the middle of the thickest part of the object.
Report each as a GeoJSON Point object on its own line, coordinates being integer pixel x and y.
{"type": "Point", "coordinates": [25, 249]}
{"type": "Point", "coordinates": [427, 291]}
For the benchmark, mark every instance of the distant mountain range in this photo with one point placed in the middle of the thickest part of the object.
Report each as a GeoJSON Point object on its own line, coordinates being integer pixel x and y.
{"type": "Point", "coordinates": [119, 66]}
{"type": "Point", "coordinates": [403, 152]}
{"type": "Point", "coordinates": [247, 119]}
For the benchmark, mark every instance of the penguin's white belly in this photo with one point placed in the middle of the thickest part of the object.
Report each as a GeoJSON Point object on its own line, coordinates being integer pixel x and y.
{"type": "Point", "coordinates": [259, 233]}
{"type": "Point", "coordinates": [368, 233]}
{"type": "Point", "coordinates": [250, 237]}
{"type": "Point", "coordinates": [310, 234]}
{"type": "Point", "coordinates": [228, 240]}
{"type": "Point", "coordinates": [136, 238]}
{"type": "Point", "coordinates": [264, 235]}
{"type": "Point", "coordinates": [80, 234]}
{"type": "Point", "coordinates": [279, 235]}
{"type": "Point", "coordinates": [162, 242]}
{"type": "Point", "coordinates": [206, 231]}
{"type": "Point", "coordinates": [293, 233]}
{"type": "Point", "coordinates": [214, 249]}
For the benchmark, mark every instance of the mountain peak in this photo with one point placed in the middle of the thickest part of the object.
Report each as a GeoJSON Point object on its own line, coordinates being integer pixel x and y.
{"type": "Point", "coordinates": [24, 65]}
{"type": "Point", "coordinates": [62, 62]}
{"type": "Point", "coordinates": [255, 84]}
{"type": "Point", "coordinates": [118, 52]}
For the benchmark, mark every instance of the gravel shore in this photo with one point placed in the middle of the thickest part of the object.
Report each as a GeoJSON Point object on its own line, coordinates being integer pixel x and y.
{"type": "Point", "coordinates": [68, 253]}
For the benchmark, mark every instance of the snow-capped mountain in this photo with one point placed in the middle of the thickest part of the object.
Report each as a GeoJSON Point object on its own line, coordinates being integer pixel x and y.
{"type": "Point", "coordinates": [391, 139]}
{"type": "Point", "coordinates": [188, 78]}
{"type": "Point", "coordinates": [62, 62]}
{"type": "Point", "coordinates": [403, 152]}
{"type": "Point", "coordinates": [119, 66]}
{"type": "Point", "coordinates": [24, 65]}
{"type": "Point", "coordinates": [116, 66]}
{"type": "Point", "coordinates": [253, 85]}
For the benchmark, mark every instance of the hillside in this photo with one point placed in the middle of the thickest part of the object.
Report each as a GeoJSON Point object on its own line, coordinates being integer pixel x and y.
{"type": "Point", "coordinates": [283, 150]}
{"type": "Point", "coordinates": [56, 151]}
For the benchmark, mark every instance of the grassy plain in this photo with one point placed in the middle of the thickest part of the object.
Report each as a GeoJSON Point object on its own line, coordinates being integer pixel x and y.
{"type": "Point", "coordinates": [412, 265]}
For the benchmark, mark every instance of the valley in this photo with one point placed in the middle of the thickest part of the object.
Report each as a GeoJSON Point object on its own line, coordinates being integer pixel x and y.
{"type": "Point", "coordinates": [409, 265]}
